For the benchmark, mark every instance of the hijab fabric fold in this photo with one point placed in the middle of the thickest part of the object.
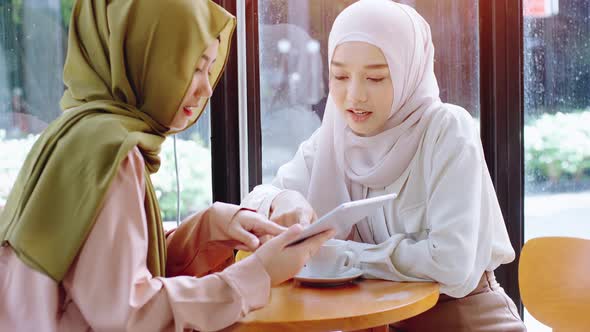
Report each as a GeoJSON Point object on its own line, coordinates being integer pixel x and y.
{"type": "Point", "coordinates": [345, 162]}
{"type": "Point", "coordinates": [128, 66]}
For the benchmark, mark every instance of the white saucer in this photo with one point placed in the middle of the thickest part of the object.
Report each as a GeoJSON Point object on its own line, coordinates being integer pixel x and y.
{"type": "Point", "coordinates": [306, 277]}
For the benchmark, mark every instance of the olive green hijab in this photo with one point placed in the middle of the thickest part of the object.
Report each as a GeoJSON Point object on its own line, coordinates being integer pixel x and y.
{"type": "Point", "coordinates": [128, 66]}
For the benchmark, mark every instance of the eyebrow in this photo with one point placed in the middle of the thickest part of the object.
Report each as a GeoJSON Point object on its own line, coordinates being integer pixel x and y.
{"type": "Point", "coordinates": [371, 66]}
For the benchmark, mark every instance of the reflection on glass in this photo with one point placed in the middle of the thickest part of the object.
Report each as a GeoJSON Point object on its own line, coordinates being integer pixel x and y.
{"type": "Point", "coordinates": [293, 37]}
{"type": "Point", "coordinates": [33, 40]}
{"type": "Point", "coordinates": [291, 83]}
{"type": "Point", "coordinates": [557, 120]}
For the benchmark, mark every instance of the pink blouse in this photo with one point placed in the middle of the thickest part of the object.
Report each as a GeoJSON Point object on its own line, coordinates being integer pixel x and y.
{"type": "Point", "coordinates": [109, 288]}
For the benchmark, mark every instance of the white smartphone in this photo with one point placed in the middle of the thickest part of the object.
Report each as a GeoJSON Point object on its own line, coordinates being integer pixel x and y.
{"type": "Point", "coordinates": [343, 217]}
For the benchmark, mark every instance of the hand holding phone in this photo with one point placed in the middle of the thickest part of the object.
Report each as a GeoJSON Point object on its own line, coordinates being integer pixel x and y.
{"type": "Point", "coordinates": [343, 217]}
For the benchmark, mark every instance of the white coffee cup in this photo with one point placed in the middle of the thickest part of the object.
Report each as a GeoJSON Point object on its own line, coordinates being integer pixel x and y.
{"type": "Point", "coordinates": [332, 259]}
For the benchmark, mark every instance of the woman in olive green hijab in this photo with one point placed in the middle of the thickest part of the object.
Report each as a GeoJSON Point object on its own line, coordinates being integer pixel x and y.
{"type": "Point", "coordinates": [82, 240]}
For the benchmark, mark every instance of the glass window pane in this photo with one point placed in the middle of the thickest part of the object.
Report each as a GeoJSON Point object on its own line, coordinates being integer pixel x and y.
{"type": "Point", "coordinates": [293, 38]}
{"type": "Point", "coordinates": [193, 152]}
{"type": "Point", "coordinates": [557, 120]}
{"type": "Point", "coordinates": [33, 41]}
{"type": "Point", "coordinates": [33, 36]}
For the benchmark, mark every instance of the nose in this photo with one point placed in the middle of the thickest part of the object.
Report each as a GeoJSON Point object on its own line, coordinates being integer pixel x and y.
{"type": "Point", "coordinates": [357, 91]}
{"type": "Point", "coordinates": [205, 89]}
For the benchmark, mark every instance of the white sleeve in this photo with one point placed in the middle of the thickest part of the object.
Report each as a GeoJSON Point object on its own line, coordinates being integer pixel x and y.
{"type": "Point", "coordinates": [454, 187]}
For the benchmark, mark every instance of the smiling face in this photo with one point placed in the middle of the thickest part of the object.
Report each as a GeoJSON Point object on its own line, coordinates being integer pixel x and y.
{"type": "Point", "coordinates": [198, 91]}
{"type": "Point", "coordinates": [361, 87]}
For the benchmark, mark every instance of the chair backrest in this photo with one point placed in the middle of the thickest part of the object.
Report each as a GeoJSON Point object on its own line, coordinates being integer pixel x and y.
{"type": "Point", "coordinates": [554, 281]}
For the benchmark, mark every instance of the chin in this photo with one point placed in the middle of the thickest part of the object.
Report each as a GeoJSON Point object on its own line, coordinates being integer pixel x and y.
{"type": "Point", "coordinates": [176, 127]}
{"type": "Point", "coordinates": [364, 131]}
{"type": "Point", "coordinates": [359, 131]}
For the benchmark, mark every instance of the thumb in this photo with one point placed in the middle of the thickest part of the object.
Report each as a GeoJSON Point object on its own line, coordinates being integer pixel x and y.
{"type": "Point", "coordinates": [288, 236]}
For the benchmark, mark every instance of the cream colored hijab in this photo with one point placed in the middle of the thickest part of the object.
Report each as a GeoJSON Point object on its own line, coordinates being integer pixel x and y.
{"type": "Point", "coordinates": [346, 163]}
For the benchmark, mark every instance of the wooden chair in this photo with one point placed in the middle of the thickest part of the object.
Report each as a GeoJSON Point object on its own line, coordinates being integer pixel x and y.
{"type": "Point", "coordinates": [554, 281]}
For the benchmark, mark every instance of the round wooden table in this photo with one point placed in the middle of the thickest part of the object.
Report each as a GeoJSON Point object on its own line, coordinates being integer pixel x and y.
{"type": "Point", "coordinates": [360, 305]}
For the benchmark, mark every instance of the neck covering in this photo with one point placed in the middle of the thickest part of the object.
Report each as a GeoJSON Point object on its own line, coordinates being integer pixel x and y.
{"type": "Point", "coordinates": [128, 66]}
{"type": "Point", "coordinates": [345, 162]}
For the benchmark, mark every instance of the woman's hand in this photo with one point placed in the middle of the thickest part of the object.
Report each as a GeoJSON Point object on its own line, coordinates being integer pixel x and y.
{"type": "Point", "coordinates": [248, 229]}
{"type": "Point", "coordinates": [282, 262]}
{"type": "Point", "coordinates": [290, 208]}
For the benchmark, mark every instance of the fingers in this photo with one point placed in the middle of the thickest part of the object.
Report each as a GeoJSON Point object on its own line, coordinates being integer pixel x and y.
{"type": "Point", "coordinates": [294, 216]}
{"type": "Point", "coordinates": [258, 224]}
{"type": "Point", "coordinates": [305, 216]}
{"type": "Point", "coordinates": [312, 244]}
{"type": "Point", "coordinates": [265, 238]}
{"type": "Point", "coordinates": [286, 219]}
{"type": "Point", "coordinates": [291, 234]}
{"type": "Point", "coordinates": [241, 247]}
{"type": "Point", "coordinates": [234, 244]}
{"type": "Point", "coordinates": [246, 238]}
{"type": "Point", "coordinates": [290, 207]}
{"type": "Point", "coordinates": [264, 226]}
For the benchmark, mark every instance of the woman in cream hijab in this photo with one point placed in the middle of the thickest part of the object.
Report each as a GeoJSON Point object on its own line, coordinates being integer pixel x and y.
{"type": "Point", "coordinates": [385, 130]}
{"type": "Point", "coordinates": [82, 242]}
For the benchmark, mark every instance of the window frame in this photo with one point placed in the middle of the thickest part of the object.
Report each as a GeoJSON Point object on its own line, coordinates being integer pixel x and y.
{"type": "Point", "coordinates": [225, 144]}
{"type": "Point", "coordinates": [502, 120]}
{"type": "Point", "coordinates": [253, 76]}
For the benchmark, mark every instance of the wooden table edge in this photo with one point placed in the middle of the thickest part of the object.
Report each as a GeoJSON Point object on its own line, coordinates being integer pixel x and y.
{"type": "Point", "coordinates": [343, 324]}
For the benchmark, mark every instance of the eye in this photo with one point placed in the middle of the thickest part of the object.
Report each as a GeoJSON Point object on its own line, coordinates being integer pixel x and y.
{"type": "Point", "coordinates": [376, 80]}
{"type": "Point", "coordinates": [340, 78]}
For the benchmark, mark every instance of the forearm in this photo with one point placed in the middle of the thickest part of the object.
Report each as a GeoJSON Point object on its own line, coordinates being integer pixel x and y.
{"type": "Point", "coordinates": [197, 247]}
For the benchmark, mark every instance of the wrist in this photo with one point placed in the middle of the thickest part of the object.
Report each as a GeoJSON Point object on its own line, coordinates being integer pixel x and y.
{"type": "Point", "coordinates": [275, 200]}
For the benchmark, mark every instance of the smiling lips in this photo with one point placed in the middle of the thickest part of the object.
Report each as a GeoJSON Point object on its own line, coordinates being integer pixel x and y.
{"type": "Point", "coordinates": [359, 115]}
{"type": "Point", "coordinates": [188, 111]}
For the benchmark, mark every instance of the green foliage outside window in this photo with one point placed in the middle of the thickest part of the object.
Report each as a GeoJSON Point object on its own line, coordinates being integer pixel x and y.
{"type": "Point", "coordinates": [194, 170]}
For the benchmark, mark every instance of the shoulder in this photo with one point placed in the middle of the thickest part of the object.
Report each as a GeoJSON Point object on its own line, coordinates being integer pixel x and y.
{"type": "Point", "coordinates": [133, 166]}
{"type": "Point", "coordinates": [452, 125]}
{"type": "Point", "coordinates": [452, 138]}
{"type": "Point", "coordinates": [100, 127]}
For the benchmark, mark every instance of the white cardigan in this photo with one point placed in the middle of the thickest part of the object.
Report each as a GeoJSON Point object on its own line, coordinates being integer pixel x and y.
{"type": "Point", "coordinates": [445, 225]}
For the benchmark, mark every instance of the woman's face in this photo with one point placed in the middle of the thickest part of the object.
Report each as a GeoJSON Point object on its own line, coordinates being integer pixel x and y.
{"type": "Point", "coordinates": [198, 91]}
{"type": "Point", "coordinates": [361, 86]}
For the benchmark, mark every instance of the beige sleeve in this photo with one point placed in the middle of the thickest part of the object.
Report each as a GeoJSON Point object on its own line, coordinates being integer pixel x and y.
{"type": "Point", "coordinates": [114, 290]}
